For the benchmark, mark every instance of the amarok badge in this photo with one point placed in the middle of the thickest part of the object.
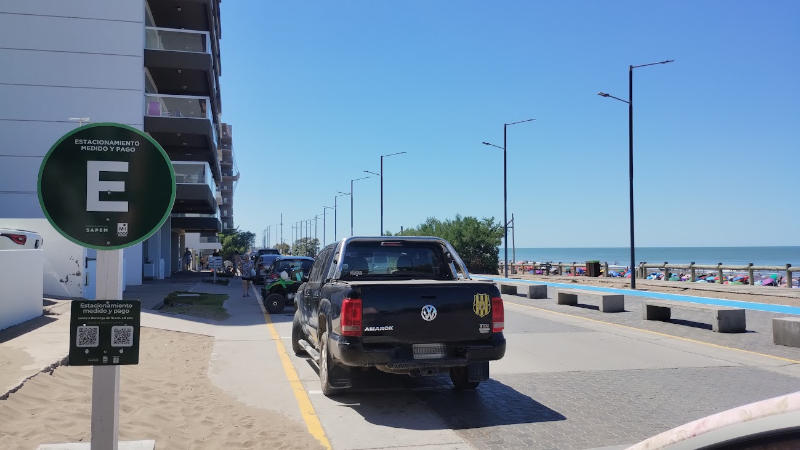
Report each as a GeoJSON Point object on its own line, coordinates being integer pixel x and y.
{"type": "Point", "coordinates": [482, 305]}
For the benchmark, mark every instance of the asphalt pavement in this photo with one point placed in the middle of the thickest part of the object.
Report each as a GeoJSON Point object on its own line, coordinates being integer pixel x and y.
{"type": "Point", "coordinates": [572, 377]}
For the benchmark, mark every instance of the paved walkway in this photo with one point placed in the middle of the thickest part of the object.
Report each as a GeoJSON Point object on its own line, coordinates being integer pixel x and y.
{"type": "Point", "coordinates": [755, 306]}
{"type": "Point", "coordinates": [31, 347]}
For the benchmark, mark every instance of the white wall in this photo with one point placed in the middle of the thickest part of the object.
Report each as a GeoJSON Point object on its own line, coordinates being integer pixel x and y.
{"type": "Point", "coordinates": [20, 288]}
{"type": "Point", "coordinates": [62, 59]}
{"type": "Point", "coordinates": [64, 261]}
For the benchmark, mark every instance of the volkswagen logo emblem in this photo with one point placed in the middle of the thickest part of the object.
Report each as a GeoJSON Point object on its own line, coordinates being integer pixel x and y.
{"type": "Point", "coordinates": [428, 313]}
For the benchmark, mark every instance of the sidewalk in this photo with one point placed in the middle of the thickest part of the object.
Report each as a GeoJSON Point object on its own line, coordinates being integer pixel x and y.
{"type": "Point", "coordinates": [34, 346]}
{"type": "Point", "coordinates": [237, 356]}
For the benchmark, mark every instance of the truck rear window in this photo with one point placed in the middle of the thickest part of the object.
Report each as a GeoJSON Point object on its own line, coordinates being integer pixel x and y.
{"type": "Point", "coordinates": [380, 260]}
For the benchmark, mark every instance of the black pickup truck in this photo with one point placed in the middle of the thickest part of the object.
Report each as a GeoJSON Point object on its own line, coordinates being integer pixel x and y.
{"type": "Point", "coordinates": [403, 305]}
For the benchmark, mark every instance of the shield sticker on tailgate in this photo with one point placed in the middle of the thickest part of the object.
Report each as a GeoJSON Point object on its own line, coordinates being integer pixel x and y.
{"type": "Point", "coordinates": [482, 305]}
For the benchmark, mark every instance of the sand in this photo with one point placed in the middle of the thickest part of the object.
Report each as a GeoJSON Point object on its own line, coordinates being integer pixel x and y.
{"type": "Point", "coordinates": [167, 397]}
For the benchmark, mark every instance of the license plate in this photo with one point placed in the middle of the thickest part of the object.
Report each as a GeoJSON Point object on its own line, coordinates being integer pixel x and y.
{"type": "Point", "coordinates": [429, 351]}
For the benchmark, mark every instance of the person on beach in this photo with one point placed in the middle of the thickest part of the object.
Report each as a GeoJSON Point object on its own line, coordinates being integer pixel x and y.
{"type": "Point", "coordinates": [247, 271]}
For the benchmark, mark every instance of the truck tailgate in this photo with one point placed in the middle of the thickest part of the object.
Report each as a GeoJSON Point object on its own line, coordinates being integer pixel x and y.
{"type": "Point", "coordinates": [393, 311]}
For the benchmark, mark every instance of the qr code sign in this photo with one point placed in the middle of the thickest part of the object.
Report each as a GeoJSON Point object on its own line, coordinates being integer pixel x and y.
{"type": "Point", "coordinates": [122, 336]}
{"type": "Point", "coordinates": [88, 336]}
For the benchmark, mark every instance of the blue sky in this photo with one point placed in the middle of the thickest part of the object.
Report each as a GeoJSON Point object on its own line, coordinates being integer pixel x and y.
{"type": "Point", "coordinates": [317, 90]}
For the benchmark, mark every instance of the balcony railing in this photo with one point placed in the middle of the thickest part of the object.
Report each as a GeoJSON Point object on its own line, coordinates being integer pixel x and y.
{"type": "Point", "coordinates": [177, 40]}
{"type": "Point", "coordinates": [180, 106]}
{"type": "Point", "coordinates": [215, 215]}
{"type": "Point", "coordinates": [194, 172]}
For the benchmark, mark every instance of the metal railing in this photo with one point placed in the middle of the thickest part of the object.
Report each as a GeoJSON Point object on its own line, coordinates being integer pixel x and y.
{"type": "Point", "coordinates": [194, 172]}
{"type": "Point", "coordinates": [181, 106]}
{"type": "Point", "coordinates": [693, 272]}
{"type": "Point", "coordinates": [173, 39]}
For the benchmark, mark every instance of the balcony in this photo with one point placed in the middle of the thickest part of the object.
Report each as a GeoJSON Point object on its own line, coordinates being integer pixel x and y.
{"type": "Point", "coordinates": [197, 223]}
{"type": "Point", "coordinates": [195, 188]}
{"type": "Point", "coordinates": [193, 15]}
{"type": "Point", "coordinates": [181, 62]}
{"type": "Point", "coordinates": [184, 126]}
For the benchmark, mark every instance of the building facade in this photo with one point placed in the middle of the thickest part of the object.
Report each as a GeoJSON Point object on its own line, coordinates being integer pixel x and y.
{"type": "Point", "coordinates": [150, 64]}
{"type": "Point", "coordinates": [230, 175]}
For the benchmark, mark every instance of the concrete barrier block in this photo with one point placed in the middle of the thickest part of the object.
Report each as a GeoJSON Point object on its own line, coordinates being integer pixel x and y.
{"type": "Point", "coordinates": [508, 289]}
{"type": "Point", "coordinates": [653, 312]}
{"type": "Point", "coordinates": [786, 331]}
{"type": "Point", "coordinates": [612, 303]}
{"type": "Point", "coordinates": [729, 321]}
{"type": "Point", "coordinates": [533, 290]}
{"type": "Point", "coordinates": [566, 298]}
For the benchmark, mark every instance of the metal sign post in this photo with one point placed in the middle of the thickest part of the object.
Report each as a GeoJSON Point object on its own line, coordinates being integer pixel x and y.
{"type": "Point", "coordinates": [105, 379]}
{"type": "Point", "coordinates": [106, 186]}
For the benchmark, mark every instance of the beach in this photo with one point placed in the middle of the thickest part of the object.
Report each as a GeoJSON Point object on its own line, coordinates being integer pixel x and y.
{"type": "Point", "coordinates": [168, 397]}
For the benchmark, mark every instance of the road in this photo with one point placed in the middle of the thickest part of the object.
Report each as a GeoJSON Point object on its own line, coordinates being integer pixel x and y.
{"type": "Point", "coordinates": [572, 377]}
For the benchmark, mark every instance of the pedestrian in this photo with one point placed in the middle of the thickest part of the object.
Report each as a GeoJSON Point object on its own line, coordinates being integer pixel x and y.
{"type": "Point", "coordinates": [187, 259]}
{"type": "Point", "coordinates": [248, 273]}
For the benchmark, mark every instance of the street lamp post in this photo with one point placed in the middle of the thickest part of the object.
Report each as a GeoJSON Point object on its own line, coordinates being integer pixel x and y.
{"type": "Point", "coordinates": [351, 202]}
{"type": "Point", "coordinates": [630, 156]}
{"type": "Point", "coordinates": [505, 189]}
{"type": "Point", "coordinates": [381, 175]}
{"type": "Point", "coordinates": [324, 227]}
{"type": "Point", "coordinates": [335, 212]}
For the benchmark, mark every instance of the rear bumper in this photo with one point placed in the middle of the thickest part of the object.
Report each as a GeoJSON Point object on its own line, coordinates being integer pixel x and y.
{"type": "Point", "coordinates": [350, 351]}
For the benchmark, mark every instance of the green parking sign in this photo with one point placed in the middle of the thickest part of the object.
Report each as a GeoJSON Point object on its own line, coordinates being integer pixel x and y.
{"type": "Point", "coordinates": [106, 186]}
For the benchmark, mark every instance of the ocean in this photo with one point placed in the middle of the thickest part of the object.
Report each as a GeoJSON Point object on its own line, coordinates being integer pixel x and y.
{"type": "Point", "coordinates": [767, 256]}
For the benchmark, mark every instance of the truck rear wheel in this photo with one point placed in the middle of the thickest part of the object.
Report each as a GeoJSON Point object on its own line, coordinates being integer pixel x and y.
{"type": "Point", "coordinates": [326, 367]}
{"type": "Point", "coordinates": [274, 303]}
{"type": "Point", "coordinates": [297, 334]}
{"type": "Point", "coordinates": [460, 378]}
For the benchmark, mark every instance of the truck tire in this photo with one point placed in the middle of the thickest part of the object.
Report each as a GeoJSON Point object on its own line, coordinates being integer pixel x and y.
{"type": "Point", "coordinates": [297, 334]}
{"type": "Point", "coordinates": [274, 303]}
{"type": "Point", "coordinates": [326, 366]}
{"type": "Point", "coordinates": [459, 377]}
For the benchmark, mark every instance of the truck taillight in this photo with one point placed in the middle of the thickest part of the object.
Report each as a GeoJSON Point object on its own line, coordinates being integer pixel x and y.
{"type": "Point", "coordinates": [498, 315]}
{"type": "Point", "coordinates": [18, 239]}
{"type": "Point", "coordinates": [351, 317]}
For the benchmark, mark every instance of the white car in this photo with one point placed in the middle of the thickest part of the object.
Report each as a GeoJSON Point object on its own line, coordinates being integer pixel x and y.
{"type": "Point", "coordinates": [19, 239]}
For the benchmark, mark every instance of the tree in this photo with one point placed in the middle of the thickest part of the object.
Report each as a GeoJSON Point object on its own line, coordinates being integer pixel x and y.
{"type": "Point", "coordinates": [476, 240]}
{"type": "Point", "coordinates": [235, 241]}
{"type": "Point", "coordinates": [305, 247]}
{"type": "Point", "coordinates": [283, 248]}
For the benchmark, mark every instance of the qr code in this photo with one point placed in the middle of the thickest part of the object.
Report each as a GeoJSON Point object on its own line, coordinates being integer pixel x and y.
{"type": "Point", "coordinates": [122, 336]}
{"type": "Point", "coordinates": [88, 336]}
{"type": "Point", "coordinates": [122, 229]}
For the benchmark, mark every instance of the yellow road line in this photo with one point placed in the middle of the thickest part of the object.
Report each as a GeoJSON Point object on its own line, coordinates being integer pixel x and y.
{"type": "Point", "coordinates": [680, 338]}
{"type": "Point", "coordinates": [303, 402]}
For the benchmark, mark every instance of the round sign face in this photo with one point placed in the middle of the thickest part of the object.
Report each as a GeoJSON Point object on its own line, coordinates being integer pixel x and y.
{"type": "Point", "coordinates": [106, 186]}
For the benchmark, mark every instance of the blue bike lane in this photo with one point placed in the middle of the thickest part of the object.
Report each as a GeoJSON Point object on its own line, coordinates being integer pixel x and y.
{"type": "Point", "coordinates": [755, 306]}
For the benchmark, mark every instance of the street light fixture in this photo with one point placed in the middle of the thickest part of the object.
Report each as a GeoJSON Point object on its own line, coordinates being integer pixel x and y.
{"type": "Point", "coordinates": [351, 201]}
{"type": "Point", "coordinates": [505, 188]}
{"type": "Point", "coordinates": [381, 175]}
{"type": "Point", "coordinates": [629, 101]}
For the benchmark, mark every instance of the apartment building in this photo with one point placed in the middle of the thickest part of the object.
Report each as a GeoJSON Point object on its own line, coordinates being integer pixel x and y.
{"type": "Point", "coordinates": [151, 64]}
{"type": "Point", "coordinates": [230, 175]}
